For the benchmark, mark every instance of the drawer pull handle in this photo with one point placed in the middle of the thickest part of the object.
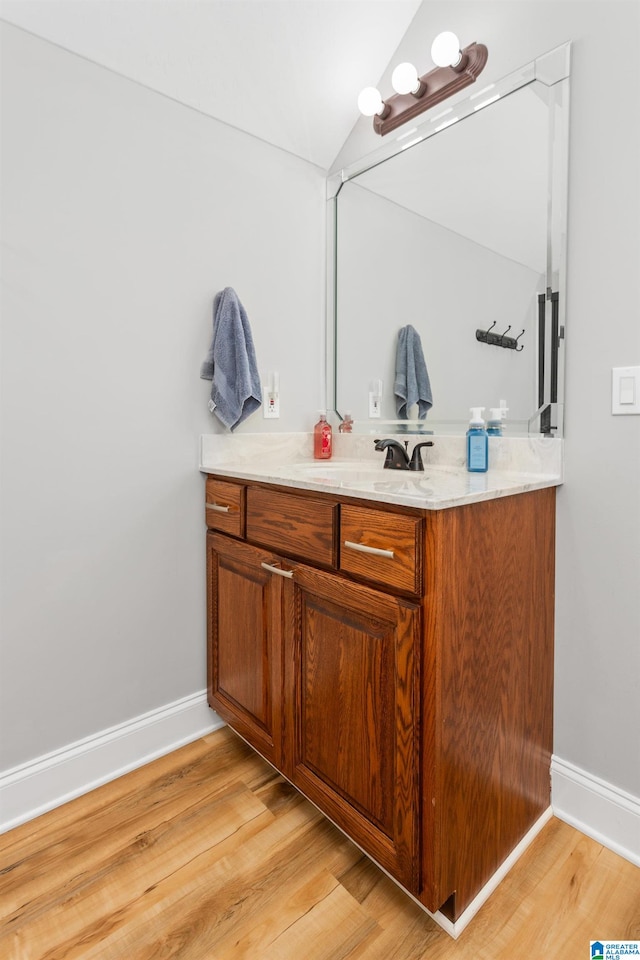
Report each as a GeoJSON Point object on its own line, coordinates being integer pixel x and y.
{"type": "Point", "coordinates": [363, 548]}
{"type": "Point", "coordinates": [218, 507]}
{"type": "Point", "coordinates": [278, 570]}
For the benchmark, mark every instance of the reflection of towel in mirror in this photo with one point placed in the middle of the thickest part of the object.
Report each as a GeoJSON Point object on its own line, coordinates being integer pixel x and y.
{"type": "Point", "coordinates": [231, 362]}
{"type": "Point", "coordinates": [411, 384]}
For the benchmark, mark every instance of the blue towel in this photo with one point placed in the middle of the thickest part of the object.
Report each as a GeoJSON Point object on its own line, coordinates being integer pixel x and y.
{"type": "Point", "coordinates": [231, 362]}
{"type": "Point", "coordinates": [411, 384]}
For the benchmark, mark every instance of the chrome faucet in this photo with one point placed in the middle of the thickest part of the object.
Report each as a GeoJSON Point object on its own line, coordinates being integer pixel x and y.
{"type": "Point", "coordinates": [397, 457]}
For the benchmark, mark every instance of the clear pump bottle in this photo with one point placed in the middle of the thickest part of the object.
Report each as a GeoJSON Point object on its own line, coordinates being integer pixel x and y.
{"type": "Point", "coordinates": [322, 438]}
{"type": "Point", "coordinates": [497, 415]}
{"type": "Point", "coordinates": [494, 424]}
{"type": "Point", "coordinates": [346, 425]}
{"type": "Point", "coordinates": [477, 443]}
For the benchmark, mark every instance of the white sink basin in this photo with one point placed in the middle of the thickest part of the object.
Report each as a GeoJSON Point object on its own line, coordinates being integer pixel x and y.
{"type": "Point", "coordinates": [351, 471]}
{"type": "Point", "coordinates": [348, 470]}
{"type": "Point", "coordinates": [314, 466]}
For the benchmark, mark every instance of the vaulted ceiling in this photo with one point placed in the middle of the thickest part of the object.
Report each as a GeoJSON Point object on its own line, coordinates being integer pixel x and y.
{"type": "Point", "coordinates": [287, 71]}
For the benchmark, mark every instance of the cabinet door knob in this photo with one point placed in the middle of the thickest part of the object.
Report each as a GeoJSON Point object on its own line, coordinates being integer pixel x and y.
{"type": "Point", "coordinates": [278, 570]}
{"type": "Point", "coordinates": [218, 507]}
{"type": "Point", "coordinates": [363, 548]}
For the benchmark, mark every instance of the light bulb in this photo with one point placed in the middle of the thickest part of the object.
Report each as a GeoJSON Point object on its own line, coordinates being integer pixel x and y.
{"type": "Point", "coordinates": [370, 102]}
{"type": "Point", "coordinates": [404, 78]}
{"type": "Point", "coordinates": [445, 50]}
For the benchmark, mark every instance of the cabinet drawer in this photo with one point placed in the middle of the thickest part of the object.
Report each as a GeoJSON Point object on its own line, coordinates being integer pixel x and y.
{"type": "Point", "coordinates": [290, 524]}
{"type": "Point", "coordinates": [224, 506]}
{"type": "Point", "coordinates": [383, 547]}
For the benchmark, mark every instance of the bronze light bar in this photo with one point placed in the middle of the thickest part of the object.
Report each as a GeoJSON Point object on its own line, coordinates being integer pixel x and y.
{"type": "Point", "coordinates": [434, 87]}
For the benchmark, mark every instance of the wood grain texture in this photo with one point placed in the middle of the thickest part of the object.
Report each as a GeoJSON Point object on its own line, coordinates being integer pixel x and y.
{"type": "Point", "coordinates": [489, 614]}
{"type": "Point", "coordinates": [387, 531]}
{"type": "Point", "coordinates": [319, 673]}
{"type": "Point", "coordinates": [230, 496]}
{"type": "Point", "coordinates": [356, 713]}
{"type": "Point", "coordinates": [244, 605]}
{"type": "Point", "coordinates": [207, 854]}
{"type": "Point", "coordinates": [305, 528]}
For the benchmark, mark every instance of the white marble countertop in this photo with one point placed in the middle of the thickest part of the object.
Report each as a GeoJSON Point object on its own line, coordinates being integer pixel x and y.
{"type": "Point", "coordinates": [521, 465]}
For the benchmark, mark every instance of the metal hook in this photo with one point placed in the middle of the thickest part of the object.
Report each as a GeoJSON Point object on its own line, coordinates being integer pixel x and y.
{"type": "Point", "coordinates": [499, 340]}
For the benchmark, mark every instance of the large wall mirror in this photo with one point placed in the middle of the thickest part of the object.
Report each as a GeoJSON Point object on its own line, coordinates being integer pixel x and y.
{"type": "Point", "coordinates": [458, 228]}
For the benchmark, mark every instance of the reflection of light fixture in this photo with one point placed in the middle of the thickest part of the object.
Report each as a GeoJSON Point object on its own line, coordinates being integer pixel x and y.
{"type": "Point", "coordinates": [455, 70]}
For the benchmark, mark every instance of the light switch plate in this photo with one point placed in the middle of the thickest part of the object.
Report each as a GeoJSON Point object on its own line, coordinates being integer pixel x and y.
{"type": "Point", "coordinates": [625, 390]}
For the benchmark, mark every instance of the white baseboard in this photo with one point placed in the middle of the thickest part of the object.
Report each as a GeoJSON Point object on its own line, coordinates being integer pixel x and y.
{"type": "Point", "coordinates": [597, 808]}
{"type": "Point", "coordinates": [33, 788]}
{"type": "Point", "coordinates": [455, 929]}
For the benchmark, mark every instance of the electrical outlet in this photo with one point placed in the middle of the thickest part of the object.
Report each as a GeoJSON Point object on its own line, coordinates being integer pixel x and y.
{"type": "Point", "coordinates": [375, 398]}
{"type": "Point", "coordinates": [271, 405]}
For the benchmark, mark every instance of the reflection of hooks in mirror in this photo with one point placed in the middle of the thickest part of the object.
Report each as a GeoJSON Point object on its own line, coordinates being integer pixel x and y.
{"type": "Point", "coordinates": [500, 339]}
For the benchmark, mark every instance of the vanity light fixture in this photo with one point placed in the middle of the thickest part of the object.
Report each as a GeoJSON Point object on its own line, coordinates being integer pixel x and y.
{"type": "Point", "coordinates": [455, 69]}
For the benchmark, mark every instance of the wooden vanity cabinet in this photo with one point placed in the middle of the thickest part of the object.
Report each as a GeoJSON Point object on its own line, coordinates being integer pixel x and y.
{"type": "Point", "coordinates": [353, 710]}
{"type": "Point", "coordinates": [410, 701]}
{"type": "Point", "coordinates": [320, 676]}
{"type": "Point", "coordinates": [244, 655]}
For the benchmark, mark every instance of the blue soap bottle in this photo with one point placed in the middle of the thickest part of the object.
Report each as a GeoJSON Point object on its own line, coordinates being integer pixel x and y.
{"type": "Point", "coordinates": [477, 443]}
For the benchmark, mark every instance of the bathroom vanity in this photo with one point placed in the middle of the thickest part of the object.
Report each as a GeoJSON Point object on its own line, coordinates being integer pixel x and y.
{"type": "Point", "coordinates": [386, 641]}
{"type": "Point", "coordinates": [391, 656]}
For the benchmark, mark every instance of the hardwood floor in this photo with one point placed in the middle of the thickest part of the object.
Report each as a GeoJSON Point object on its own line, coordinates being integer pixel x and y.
{"type": "Point", "coordinates": [208, 853]}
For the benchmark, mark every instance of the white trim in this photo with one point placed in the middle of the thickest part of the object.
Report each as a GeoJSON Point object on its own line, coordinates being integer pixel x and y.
{"type": "Point", "coordinates": [455, 929]}
{"type": "Point", "coordinates": [39, 785]}
{"type": "Point", "coordinates": [597, 808]}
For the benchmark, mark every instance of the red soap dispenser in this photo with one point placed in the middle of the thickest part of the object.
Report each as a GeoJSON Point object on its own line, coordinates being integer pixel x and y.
{"type": "Point", "coordinates": [322, 438]}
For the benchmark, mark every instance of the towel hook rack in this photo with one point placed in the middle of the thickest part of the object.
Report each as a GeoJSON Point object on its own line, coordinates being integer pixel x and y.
{"type": "Point", "coordinates": [500, 339]}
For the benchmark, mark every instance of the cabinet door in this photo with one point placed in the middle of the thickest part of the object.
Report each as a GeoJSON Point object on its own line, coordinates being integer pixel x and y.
{"type": "Point", "coordinates": [244, 653]}
{"type": "Point", "coordinates": [351, 656]}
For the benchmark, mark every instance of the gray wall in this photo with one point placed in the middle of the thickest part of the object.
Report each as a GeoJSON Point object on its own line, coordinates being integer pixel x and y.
{"type": "Point", "coordinates": [105, 320]}
{"type": "Point", "coordinates": [597, 708]}
{"type": "Point", "coordinates": [123, 214]}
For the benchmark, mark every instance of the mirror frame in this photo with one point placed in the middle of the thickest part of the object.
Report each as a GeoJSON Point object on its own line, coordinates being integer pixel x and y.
{"type": "Point", "coordinates": [551, 69]}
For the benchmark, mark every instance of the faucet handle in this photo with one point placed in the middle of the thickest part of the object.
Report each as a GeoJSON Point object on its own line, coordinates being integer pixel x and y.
{"type": "Point", "coordinates": [396, 458]}
{"type": "Point", "coordinates": [416, 457]}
